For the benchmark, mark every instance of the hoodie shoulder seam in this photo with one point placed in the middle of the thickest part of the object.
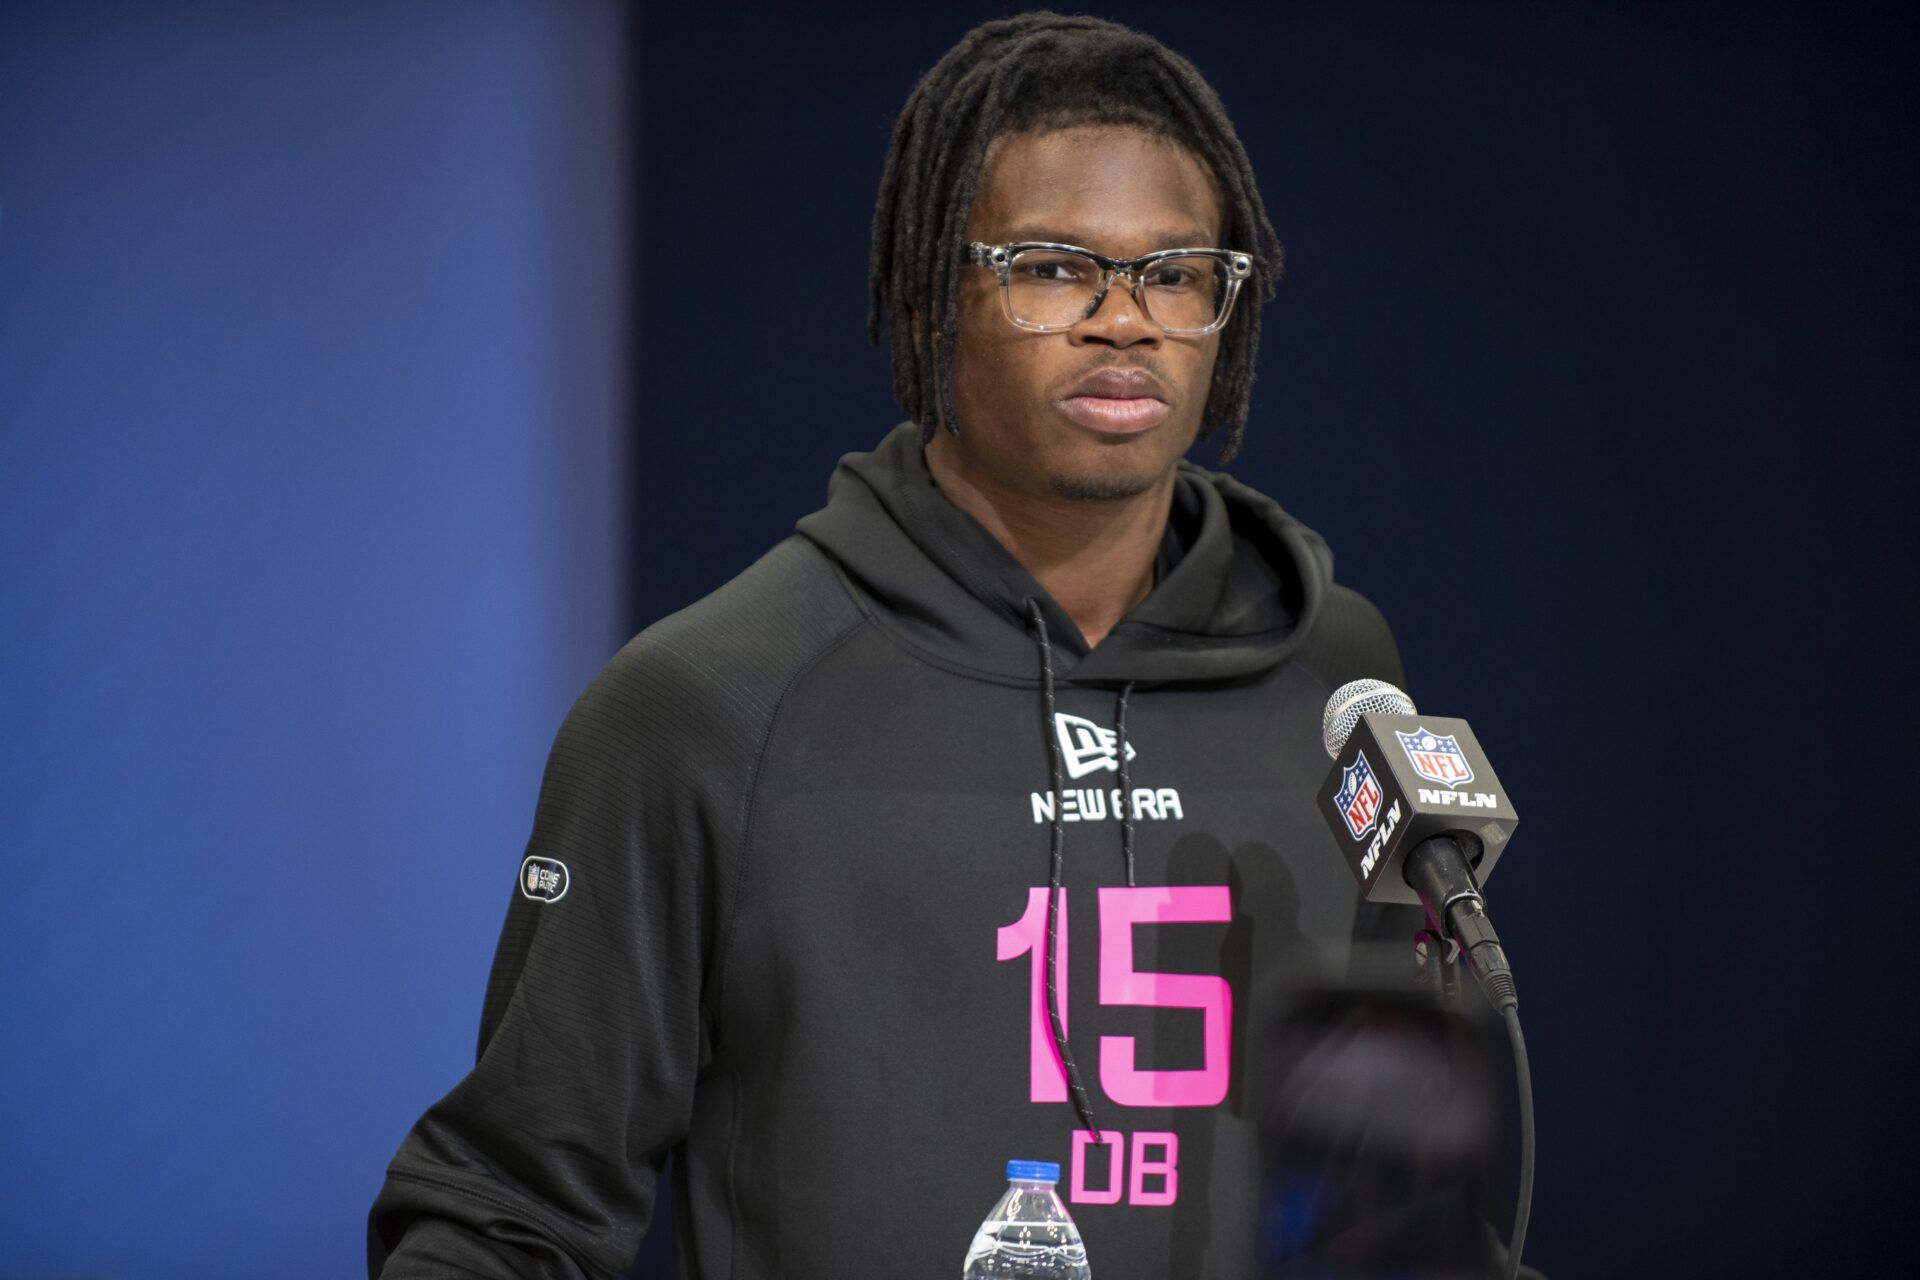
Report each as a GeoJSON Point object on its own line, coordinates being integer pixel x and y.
{"type": "Point", "coordinates": [737, 881]}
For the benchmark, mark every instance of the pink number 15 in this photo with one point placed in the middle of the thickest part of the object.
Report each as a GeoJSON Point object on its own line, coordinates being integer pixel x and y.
{"type": "Point", "coordinates": [1120, 983]}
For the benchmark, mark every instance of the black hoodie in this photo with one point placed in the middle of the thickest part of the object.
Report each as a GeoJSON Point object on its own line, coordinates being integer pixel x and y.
{"type": "Point", "coordinates": [783, 907]}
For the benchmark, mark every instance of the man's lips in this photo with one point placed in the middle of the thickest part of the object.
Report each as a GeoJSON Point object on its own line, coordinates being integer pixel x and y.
{"type": "Point", "coordinates": [1116, 416]}
{"type": "Point", "coordinates": [1113, 383]}
{"type": "Point", "coordinates": [1117, 401]}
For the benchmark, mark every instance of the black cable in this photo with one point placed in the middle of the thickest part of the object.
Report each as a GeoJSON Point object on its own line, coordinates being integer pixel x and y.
{"type": "Point", "coordinates": [1523, 1076]}
{"type": "Point", "coordinates": [1440, 872]}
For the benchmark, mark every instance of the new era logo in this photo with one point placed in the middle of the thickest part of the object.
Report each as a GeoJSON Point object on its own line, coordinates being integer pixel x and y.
{"type": "Point", "coordinates": [1086, 747]}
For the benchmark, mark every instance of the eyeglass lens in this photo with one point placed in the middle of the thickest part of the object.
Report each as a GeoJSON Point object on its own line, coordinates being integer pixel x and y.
{"type": "Point", "coordinates": [1051, 287]}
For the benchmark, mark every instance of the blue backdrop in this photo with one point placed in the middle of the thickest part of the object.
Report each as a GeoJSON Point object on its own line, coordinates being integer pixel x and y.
{"type": "Point", "coordinates": [333, 462]}
{"type": "Point", "coordinates": [310, 502]}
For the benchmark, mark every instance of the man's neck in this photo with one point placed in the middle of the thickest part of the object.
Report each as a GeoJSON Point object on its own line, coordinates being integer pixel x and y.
{"type": "Point", "coordinates": [1094, 557]}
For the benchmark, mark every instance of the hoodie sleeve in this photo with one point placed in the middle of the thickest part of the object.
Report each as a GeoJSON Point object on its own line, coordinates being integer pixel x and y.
{"type": "Point", "coordinates": [600, 1009]}
{"type": "Point", "coordinates": [1351, 641]}
{"type": "Point", "coordinates": [543, 1161]}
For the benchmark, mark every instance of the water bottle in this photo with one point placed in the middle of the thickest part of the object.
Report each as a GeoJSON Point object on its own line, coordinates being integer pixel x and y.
{"type": "Point", "coordinates": [1029, 1235]}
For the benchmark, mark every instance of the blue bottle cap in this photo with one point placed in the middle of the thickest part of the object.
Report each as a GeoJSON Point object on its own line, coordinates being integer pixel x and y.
{"type": "Point", "coordinates": [1032, 1171]}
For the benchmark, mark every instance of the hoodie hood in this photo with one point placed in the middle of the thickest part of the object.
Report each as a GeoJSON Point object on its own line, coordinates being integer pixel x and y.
{"type": "Point", "coordinates": [1238, 582]}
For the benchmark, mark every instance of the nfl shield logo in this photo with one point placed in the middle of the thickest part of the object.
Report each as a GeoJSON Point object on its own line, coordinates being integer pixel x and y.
{"type": "Point", "coordinates": [1436, 757]}
{"type": "Point", "coordinates": [1359, 796]}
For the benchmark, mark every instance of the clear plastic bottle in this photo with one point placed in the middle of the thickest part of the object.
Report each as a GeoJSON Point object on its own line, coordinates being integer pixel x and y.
{"type": "Point", "coordinates": [1029, 1235]}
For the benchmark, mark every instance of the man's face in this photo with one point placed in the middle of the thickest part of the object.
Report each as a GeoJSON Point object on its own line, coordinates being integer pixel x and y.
{"type": "Point", "coordinates": [1026, 424]}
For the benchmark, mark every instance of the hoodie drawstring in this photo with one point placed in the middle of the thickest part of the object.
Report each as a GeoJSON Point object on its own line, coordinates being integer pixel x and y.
{"type": "Point", "coordinates": [1126, 783]}
{"type": "Point", "coordinates": [1057, 831]}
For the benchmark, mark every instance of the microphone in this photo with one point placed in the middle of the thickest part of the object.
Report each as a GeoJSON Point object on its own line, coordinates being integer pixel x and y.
{"type": "Point", "coordinates": [1418, 811]}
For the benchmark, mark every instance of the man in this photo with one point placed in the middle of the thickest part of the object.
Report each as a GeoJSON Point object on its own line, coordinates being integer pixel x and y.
{"type": "Point", "coordinates": [976, 821]}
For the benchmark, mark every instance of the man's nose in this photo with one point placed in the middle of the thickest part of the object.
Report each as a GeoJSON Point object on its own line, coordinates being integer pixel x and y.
{"type": "Point", "coordinates": [1119, 320]}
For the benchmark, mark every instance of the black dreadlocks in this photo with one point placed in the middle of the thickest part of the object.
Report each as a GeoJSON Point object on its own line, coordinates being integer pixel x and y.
{"type": "Point", "coordinates": [1042, 70]}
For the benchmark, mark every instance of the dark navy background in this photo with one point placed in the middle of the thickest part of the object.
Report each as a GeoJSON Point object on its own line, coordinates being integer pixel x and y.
{"type": "Point", "coordinates": [331, 466]}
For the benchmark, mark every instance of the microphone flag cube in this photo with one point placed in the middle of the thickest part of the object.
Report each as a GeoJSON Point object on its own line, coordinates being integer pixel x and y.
{"type": "Point", "coordinates": [1403, 779]}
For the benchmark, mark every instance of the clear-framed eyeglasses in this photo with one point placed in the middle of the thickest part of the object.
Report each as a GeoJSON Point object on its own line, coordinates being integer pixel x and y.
{"type": "Point", "coordinates": [1051, 287]}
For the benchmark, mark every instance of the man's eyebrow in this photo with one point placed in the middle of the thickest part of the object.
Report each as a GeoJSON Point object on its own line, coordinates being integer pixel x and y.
{"type": "Point", "coordinates": [1191, 238]}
